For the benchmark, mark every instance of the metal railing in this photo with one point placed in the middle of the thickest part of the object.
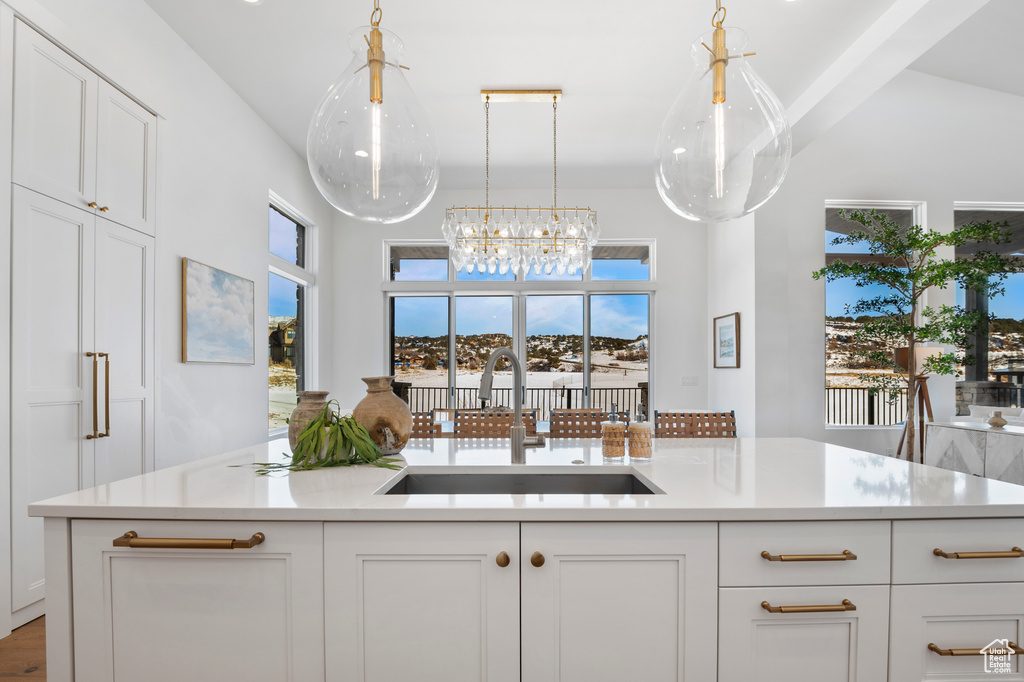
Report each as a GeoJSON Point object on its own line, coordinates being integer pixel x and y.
{"type": "Point", "coordinates": [426, 398]}
{"type": "Point", "coordinates": [858, 407]}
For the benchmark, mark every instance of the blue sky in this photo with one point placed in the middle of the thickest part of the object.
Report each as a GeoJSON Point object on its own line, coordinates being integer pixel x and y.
{"type": "Point", "coordinates": [621, 316]}
{"type": "Point", "coordinates": [841, 292]}
{"type": "Point", "coordinates": [281, 297]}
{"type": "Point", "coordinates": [282, 236]}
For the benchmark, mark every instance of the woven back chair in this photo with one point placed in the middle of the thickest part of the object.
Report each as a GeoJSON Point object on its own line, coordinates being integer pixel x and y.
{"type": "Point", "coordinates": [423, 425]}
{"type": "Point", "coordinates": [567, 423]}
{"type": "Point", "coordinates": [491, 423]}
{"type": "Point", "coordinates": [694, 424]}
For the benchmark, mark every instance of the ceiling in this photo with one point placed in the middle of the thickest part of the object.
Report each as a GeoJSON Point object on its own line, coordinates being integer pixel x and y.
{"type": "Point", "coordinates": [619, 65]}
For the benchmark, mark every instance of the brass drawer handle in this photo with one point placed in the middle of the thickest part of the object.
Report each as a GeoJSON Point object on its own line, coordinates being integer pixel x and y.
{"type": "Point", "coordinates": [104, 209]}
{"type": "Point", "coordinates": [537, 559]}
{"type": "Point", "coordinates": [847, 605]}
{"type": "Point", "coordinates": [93, 204]}
{"type": "Point", "coordinates": [1016, 650]}
{"type": "Point", "coordinates": [1015, 553]}
{"type": "Point", "coordinates": [847, 555]}
{"type": "Point", "coordinates": [502, 559]}
{"type": "Point", "coordinates": [132, 539]}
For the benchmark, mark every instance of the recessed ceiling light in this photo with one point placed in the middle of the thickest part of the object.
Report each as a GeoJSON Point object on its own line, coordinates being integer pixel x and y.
{"type": "Point", "coordinates": [253, 2]}
{"type": "Point", "coordinates": [361, 152]}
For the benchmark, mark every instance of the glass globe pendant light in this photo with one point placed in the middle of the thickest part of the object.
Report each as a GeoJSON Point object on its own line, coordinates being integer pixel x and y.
{"type": "Point", "coordinates": [370, 147]}
{"type": "Point", "coordinates": [725, 145]}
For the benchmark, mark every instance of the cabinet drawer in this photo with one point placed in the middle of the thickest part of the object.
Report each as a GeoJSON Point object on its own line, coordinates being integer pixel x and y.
{"type": "Point", "coordinates": [741, 546]}
{"type": "Point", "coordinates": [914, 544]}
{"type": "Point", "coordinates": [966, 616]}
{"type": "Point", "coordinates": [849, 645]}
{"type": "Point", "coordinates": [181, 607]}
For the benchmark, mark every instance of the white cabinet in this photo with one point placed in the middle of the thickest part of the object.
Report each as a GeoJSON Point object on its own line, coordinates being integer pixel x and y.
{"type": "Point", "coordinates": [810, 602]}
{"type": "Point", "coordinates": [167, 612]}
{"type": "Point", "coordinates": [422, 601]}
{"type": "Point", "coordinates": [79, 139]}
{"type": "Point", "coordinates": [801, 640]}
{"type": "Point", "coordinates": [80, 284]}
{"type": "Point", "coordinates": [609, 601]}
{"type": "Point", "coordinates": [957, 584]}
{"type": "Point", "coordinates": [955, 616]}
{"type": "Point", "coordinates": [619, 601]}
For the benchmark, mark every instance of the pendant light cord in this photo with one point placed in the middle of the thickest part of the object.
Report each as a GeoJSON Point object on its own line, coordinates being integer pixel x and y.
{"type": "Point", "coordinates": [376, 15]}
{"type": "Point", "coordinates": [554, 126]}
{"type": "Point", "coordinates": [487, 156]}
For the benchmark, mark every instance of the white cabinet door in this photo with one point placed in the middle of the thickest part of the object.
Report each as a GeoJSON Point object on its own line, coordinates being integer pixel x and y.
{"type": "Point", "coordinates": [422, 601]}
{"type": "Point", "coordinates": [126, 160]}
{"type": "Point", "coordinates": [198, 614]}
{"type": "Point", "coordinates": [124, 331]}
{"type": "Point", "coordinates": [840, 646]}
{"type": "Point", "coordinates": [619, 601]}
{"type": "Point", "coordinates": [55, 100]}
{"type": "Point", "coordinates": [963, 616]}
{"type": "Point", "coordinates": [51, 377]}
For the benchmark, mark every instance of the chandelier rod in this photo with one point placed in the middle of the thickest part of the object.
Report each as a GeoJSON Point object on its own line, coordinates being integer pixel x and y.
{"type": "Point", "coordinates": [487, 158]}
{"type": "Point", "coordinates": [554, 146]}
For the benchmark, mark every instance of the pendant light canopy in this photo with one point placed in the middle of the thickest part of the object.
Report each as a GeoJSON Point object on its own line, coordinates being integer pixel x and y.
{"type": "Point", "coordinates": [725, 145]}
{"type": "Point", "coordinates": [371, 148]}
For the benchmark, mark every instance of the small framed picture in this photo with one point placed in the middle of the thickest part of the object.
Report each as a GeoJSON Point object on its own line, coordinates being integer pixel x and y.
{"type": "Point", "coordinates": [217, 316]}
{"type": "Point", "coordinates": [727, 341]}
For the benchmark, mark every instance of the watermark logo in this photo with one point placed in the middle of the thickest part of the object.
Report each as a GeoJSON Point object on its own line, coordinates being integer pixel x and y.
{"type": "Point", "coordinates": [998, 656]}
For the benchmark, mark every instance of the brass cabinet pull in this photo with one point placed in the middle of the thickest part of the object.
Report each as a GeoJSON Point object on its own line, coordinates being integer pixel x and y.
{"type": "Point", "coordinates": [104, 209]}
{"type": "Point", "coordinates": [537, 559]}
{"type": "Point", "coordinates": [847, 555]}
{"type": "Point", "coordinates": [132, 539]}
{"type": "Point", "coordinates": [1014, 553]}
{"type": "Point", "coordinates": [95, 401]}
{"type": "Point", "coordinates": [502, 559]}
{"type": "Point", "coordinates": [92, 204]}
{"type": "Point", "coordinates": [1017, 651]}
{"type": "Point", "coordinates": [847, 605]}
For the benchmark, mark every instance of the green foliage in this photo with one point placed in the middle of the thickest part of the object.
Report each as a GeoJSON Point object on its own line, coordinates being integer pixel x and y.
{"type": "Point", "coordinates": [906, 260]}
{"type": "Point", "coordinates": [331, 440]}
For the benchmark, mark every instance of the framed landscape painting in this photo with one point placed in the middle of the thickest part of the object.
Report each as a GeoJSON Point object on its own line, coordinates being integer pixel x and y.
{"type": "Point", "coordinates": [217, 316]}
{"type": "Point", "coordinates": [727, 341]}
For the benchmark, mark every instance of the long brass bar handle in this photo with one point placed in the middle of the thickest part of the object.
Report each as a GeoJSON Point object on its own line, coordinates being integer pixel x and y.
{"type": "Point", "coordinates": [1014, 553]}
{"type": "Point", "coordinates": [1016, 650]}
{"type": "Point", "coordinates": [847, 555]}
{"type": "Point", "coordinates": [847, 605]}
{"type": "Point", "coordinates": [95, 397]}
{"type": "Point", "coordinates": [132, 539]}
{"type": "Point", "coordinates": [106, 395]}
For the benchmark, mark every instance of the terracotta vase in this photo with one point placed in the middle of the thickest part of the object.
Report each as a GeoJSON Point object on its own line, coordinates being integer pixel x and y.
{"type": "Point", "coordinates": [311, 403]}
{"type": "Point", "coordinates": [997, 421]}
{"type": "Point", "coordinates": [384, 415]}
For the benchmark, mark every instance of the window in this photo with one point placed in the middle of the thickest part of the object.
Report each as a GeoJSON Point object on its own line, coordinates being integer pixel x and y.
{"type": "Point", "coordinates": [848, 401]}
{"type": "Point", "coordinates": [997, 375]}
{"type": "Point", "coordinates": [289, 287]}
{"type": "Point", "coordinates": [583, 342]}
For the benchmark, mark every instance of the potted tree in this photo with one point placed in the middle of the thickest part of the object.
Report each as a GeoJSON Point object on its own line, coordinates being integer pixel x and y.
{"type": "Point", "coordinates": [906, 260]}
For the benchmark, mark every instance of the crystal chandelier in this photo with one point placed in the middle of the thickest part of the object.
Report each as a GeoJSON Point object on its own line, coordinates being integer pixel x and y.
{"type": "Point", "coordinates": [725, 145]}
{"type": "Point", "coordinates": [501, 238]}
{"type": "Point", "coordinates": [370, 147]}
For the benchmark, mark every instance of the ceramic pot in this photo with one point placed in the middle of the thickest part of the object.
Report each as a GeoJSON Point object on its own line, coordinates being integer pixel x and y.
{"type": "Point", "coordinates": [384, 415]}
{"type": "Point", "coordinates": [997, 421]}
{"type": "Point", "coordinates": [311, 403]}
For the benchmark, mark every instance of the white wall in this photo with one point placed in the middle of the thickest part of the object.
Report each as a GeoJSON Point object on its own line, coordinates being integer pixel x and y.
{"type": "Point", "coordinates": [218, 161]}
{"type": "Point", "coordinates": [731, 266]}
{"type": "Point", "coordinates": [920, 138]}
{"type": "Point", "coordinates": [680, 311]}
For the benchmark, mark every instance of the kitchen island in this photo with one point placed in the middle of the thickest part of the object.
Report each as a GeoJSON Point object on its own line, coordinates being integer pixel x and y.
{"type": "Point", "coordinates": [325, 577]}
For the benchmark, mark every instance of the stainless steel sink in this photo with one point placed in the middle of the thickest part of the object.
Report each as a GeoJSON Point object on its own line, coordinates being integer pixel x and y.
{"type": "Point", "coordinates": [527, 483]}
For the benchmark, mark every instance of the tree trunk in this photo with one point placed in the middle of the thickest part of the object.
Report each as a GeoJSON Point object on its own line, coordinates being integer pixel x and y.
{"type": "Point", "coordinates": [911, 400]}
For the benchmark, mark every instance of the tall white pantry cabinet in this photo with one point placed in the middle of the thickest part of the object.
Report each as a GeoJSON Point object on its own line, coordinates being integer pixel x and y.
{"type": "Point", "coordinates": [82, 277]}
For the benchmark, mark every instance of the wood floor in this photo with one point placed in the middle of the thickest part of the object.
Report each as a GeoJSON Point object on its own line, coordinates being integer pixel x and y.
{"type": "Point", "coordinates": [23, 654]}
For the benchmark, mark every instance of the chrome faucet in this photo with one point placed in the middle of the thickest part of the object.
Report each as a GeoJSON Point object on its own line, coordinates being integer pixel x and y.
{"type": "Point", "coordinates": [519, 440]}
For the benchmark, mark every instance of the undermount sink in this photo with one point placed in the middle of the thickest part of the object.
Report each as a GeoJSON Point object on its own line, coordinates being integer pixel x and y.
{"type": "Point", "coordinates": [532, 483]}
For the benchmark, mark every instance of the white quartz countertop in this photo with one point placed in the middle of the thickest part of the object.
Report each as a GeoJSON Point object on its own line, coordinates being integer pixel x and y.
{"type": "Point", "coordinates": [980, 426]}
{"type": "Point", "coordinates": [702, 480]}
